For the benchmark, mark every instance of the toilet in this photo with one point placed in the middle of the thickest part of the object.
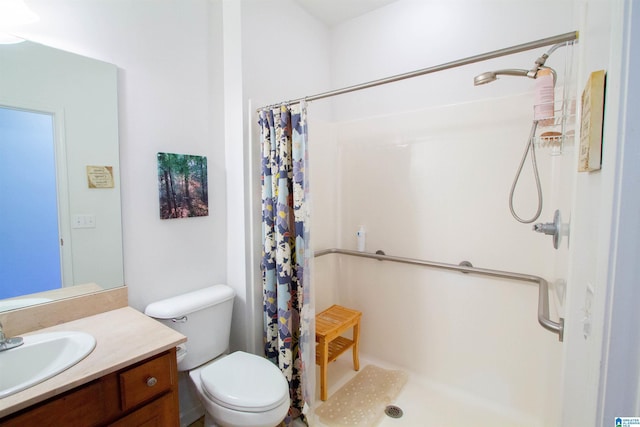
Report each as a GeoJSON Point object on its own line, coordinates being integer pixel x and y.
{"type": "Point", "coordinates": [238, 389]}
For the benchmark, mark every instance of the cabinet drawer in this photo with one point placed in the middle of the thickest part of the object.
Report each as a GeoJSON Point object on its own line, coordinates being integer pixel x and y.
{"type": "Point", "coordinates": [146, 381]}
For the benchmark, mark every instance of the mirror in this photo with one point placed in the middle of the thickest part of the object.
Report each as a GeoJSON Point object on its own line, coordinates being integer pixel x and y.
{"type": "Point", "coordinates": [77, 99]}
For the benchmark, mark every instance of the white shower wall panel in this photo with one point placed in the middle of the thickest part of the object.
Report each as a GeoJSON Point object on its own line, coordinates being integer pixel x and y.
{"type": "Point", "coordinates": [478, 336]}
{"type": "Point", "coordinates": [434, 184]}
{"type": "Point", "coordinates": [411, 35]}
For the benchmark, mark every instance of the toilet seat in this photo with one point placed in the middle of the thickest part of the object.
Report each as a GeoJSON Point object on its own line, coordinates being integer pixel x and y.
{"type": "Point", "coordinates": [244, 382]}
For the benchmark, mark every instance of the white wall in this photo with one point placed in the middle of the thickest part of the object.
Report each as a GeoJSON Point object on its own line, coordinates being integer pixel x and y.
{"type": "Point", "coordinates": [600, 380]}
{"type": "Point", "coordinates": [619, 386]}
{"type": "Point", "coordinates": [409, 35]}
{"type": "Point", "coordinates": [426, 165]}
{"type": "Point", "coordinates": [169, 61]}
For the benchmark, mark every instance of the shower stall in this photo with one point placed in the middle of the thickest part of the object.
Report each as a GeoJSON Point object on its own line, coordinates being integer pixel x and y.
{"type": "Point", "coordinates": [430, 188]}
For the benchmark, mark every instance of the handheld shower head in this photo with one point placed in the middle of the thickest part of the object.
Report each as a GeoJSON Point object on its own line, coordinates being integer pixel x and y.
{"type": "Point", "coordinates": [489, 76]}
{"type": "Point", "coordinates": [484, 78]}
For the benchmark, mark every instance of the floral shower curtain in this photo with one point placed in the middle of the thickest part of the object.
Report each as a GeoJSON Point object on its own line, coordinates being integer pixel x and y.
{"type": "Point", "coordinates": [289, 337]}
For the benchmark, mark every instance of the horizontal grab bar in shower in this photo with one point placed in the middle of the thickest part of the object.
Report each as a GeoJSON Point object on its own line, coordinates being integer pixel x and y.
{"type": "Point", "coordinates": [543, 286]}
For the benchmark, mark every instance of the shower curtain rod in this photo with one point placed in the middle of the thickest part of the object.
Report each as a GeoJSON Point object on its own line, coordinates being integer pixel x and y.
{"type": "Point", "coordinates": [543, 286]}
{"type": "Point", "coordinates": [561, 38]}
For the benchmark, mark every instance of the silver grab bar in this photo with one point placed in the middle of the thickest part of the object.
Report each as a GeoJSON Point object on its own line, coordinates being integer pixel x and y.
{"type": "Point", "coordinates": [543, 286]}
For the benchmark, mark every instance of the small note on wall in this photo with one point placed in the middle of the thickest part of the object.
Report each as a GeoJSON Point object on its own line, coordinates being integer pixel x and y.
{"type": "Point", "coordinates": [100, 176]}
{"type": "Point", "coordinates": [591, 123]}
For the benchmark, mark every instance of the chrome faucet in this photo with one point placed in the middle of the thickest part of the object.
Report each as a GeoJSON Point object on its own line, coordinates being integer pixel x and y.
{"type": "Point", "coordinates": [8, 343]}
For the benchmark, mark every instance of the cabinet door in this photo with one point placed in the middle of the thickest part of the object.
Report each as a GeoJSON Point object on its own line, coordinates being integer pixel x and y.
{"type": "Point", "coordinates": [83, 407]}
{"type": "Point", "coordinates": [159, 413]}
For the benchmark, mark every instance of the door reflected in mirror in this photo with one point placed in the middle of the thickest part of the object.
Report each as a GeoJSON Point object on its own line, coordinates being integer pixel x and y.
{"type": "Point", "coordinates": [78, 97]}
{"type": "Point", "coordinates": [30, 241]}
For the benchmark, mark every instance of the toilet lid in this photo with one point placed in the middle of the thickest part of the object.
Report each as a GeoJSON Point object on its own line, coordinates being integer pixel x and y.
{"type": "Point", "coordinates": [245, 382]}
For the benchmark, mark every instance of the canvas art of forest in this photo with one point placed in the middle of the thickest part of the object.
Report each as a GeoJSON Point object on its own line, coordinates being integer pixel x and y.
{"type": "Point", "coordinates": [182, 182]}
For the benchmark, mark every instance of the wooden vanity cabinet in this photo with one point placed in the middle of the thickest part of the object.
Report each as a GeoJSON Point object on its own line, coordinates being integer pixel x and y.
{"type": "Point", "coordinates": [143, 394]}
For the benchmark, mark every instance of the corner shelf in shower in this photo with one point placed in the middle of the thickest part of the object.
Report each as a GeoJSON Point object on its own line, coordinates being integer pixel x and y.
{"type": "Point", "coordinates": [557, 132]}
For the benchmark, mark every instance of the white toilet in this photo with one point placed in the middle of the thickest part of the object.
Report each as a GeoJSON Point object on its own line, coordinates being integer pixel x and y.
{"type": "Point", "coordinates": [236, 390]}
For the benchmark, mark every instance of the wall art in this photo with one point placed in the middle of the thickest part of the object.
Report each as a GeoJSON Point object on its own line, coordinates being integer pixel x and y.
{"type": "Point", "coordinates": [182, 184]}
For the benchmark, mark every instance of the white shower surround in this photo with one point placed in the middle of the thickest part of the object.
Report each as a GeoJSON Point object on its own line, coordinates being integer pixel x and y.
{"type": "Point", "coordinates": [433, 184]}
{"type": "Point", "coordinates": [426, 166]}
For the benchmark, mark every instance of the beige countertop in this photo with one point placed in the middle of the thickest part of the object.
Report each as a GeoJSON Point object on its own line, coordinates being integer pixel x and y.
{"type": "Point", "coordinates": [124, 336]}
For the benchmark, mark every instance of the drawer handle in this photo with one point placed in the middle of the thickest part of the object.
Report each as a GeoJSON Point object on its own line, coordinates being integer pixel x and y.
{"type": "Point", "coordinates": [151, 381]}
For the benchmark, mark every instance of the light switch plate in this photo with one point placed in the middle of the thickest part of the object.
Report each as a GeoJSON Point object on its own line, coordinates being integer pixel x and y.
{"type": "Point", "coordinates": [84, 221]}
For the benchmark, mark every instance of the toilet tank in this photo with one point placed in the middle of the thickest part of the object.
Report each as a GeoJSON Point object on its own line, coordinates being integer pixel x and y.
{"type": "Point", "coordinates": [203, 316]}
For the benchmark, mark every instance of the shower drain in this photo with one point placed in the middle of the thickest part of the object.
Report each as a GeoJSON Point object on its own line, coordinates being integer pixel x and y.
{"type": "Point", "coordinates": [393, 411]}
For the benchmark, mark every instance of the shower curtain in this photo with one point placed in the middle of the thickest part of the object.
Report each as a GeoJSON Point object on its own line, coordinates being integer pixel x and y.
{"type": "Point", "coordinates": [289, 336]}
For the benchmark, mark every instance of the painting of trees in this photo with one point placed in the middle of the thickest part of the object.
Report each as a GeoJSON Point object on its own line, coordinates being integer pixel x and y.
{"type": "Point", "coordinates": [182, 183]}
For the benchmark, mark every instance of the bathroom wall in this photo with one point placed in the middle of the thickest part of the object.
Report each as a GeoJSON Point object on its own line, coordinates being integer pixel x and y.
{"type": "Point", "coordinates": [169, 57]}
{"type": "Point", "coordinates": [375, 46]}
{"type": "Point", "coordinates": [620, 367]}
{"type": "Point", "coordinates": [426, 166]}
{"type": "Point", "coordinates": [598, 288]}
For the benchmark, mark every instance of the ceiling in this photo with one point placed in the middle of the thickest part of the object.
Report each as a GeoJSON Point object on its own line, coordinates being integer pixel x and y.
{"type": "Point", "coordinates": [334, 12]}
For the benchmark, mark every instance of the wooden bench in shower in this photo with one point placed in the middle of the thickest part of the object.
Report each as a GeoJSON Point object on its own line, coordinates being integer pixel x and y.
{"type": "Point", "coordinates": [330, 325]}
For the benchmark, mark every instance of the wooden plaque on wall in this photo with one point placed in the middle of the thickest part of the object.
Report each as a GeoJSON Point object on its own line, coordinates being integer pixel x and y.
{"type": "Point", "coordinates": [591, 123]}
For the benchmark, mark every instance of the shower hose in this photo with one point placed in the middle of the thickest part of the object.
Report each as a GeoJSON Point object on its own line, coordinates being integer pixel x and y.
{"type": "Point", "coordinates": [528, 147]}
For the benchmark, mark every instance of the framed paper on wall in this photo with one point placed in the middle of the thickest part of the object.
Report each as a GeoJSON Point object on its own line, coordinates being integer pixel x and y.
{"type": "Point", "coordinates": [182, 185]}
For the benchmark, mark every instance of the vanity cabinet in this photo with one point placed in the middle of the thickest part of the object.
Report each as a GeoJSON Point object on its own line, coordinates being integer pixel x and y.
{"type": "Point", "coordinates": [143, 394]}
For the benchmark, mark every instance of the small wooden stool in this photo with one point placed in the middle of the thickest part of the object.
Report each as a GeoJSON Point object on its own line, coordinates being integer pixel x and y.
{"type": "Point", "coordinates": [330, 324]}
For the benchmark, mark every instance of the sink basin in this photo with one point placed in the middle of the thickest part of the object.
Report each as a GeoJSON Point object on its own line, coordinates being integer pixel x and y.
{"type": "Point", "coordinates": [41, 357]}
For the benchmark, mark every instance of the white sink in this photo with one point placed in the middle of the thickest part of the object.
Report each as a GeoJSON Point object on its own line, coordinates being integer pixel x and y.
{"type": "Point", "coordinates": [41, 357]}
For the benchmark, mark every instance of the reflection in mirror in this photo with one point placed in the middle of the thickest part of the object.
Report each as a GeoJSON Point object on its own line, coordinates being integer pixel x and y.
{"type": "Point", "coordinates": [27, 163]}
{"type": "Point", "coordinates": [60, 233]}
